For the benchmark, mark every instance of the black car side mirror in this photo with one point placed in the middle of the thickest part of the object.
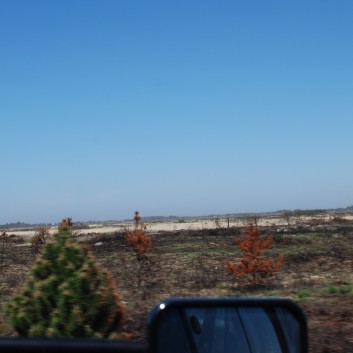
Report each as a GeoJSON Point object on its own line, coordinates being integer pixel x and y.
{"type": "Point", "coordinates": [196, 325]}
{"type": "Point", "coordinates": [227, 326]}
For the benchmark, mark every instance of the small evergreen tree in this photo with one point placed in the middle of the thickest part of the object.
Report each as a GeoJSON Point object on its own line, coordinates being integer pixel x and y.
{"type": "Point", "coordinates": [67, 294]}
{"type": "Point", "coordinates": [253, 266]}
{"type": "Point", "coordinates": [141, 242]}
{"type": "Point", "coordinates": [138, 239]}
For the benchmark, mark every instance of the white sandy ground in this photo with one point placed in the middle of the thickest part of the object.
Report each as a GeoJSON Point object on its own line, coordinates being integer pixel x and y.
{"type": "Point", "coordinates": [154, 227]}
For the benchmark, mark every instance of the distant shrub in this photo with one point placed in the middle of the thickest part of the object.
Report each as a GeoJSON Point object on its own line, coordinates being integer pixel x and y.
{"type": "Point", "coordinates": [39, 239]}
{"type": "Point", "coordinates": [6, 243]}
{"type": "Point", "coordinates": [217, 223]}
{"type": "Point", "coordinates": [3, 244]}
{"type": "Point", "coordinates": [253, 266]}
{"type": "Point", "coordinates": [141, 242]}
{"type": "Point", "coordinates": [66, 224]}
{"type": "Point", "coordinates": [138, 239]}
{"type": "Point", "coordinates": [67, 294]}
{"type": "Point", "coordinates": [339, 220]}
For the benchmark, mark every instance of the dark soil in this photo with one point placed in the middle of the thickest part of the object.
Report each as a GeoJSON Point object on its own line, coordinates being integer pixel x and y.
{"type": "Point", "coordinates": [317, 274]}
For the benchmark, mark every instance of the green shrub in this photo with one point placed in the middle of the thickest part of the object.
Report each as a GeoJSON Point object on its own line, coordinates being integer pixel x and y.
{"type": "Point", "coordinates": [342, 289]}
{"type": "Point", "coordinates": [67, 294]}
{"type": "Point", "coordinates": [303, 293]}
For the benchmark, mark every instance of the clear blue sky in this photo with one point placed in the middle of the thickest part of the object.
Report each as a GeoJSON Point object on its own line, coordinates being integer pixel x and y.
{"type": "Point", "coordinates": [174, 107]}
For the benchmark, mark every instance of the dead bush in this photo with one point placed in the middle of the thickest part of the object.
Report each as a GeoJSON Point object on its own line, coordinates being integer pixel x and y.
{"type": "Point", "coordinates": [253, 266]}
{"type": "Point", "coordinates": [39, 239]}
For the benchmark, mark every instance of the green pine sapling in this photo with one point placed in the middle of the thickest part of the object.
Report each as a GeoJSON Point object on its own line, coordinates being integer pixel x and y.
{"type": "Point", "coordinates": [67, 294]}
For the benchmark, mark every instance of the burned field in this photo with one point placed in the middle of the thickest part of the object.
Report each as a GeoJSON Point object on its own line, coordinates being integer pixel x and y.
{"type": "Point", "coordinates": [317, 273]}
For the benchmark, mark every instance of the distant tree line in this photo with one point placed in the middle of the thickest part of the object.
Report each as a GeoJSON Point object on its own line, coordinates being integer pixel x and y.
{"type": "Point", "coordinates": [82, 225]}
{"type": "Point", "coordinates": [20, 225]}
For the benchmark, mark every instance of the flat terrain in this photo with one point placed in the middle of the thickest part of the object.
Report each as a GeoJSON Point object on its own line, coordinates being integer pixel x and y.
{"type": "Point", "coordinates": [317, 271]}
{"type": "Point", "coordinates": [192, 224]}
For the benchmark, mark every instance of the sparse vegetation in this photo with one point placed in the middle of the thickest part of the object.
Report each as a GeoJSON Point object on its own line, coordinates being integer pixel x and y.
{"type": "Point", "coordinates": [303, 293]}
{"type": "Point", "coordinates": [339, 220]}
{"type": "Point", "coordinates": [3, 244]}
{"type": "Point", "coordinates": [341, 289]}
{"type": "Point", "coordinates": [317, 272]}
{"type": "Point", "coordinates": [217, 223]}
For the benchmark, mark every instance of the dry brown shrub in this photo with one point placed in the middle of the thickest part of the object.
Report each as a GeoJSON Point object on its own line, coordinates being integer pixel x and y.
{"type": "Point", "coordinates": [141, 243]}
{"type": "Point", "coordinates": [138, 238]}
{"type": "Point", "coordinates": [339, 220]}
{"type": "Point", "coordinates": [253, 266]}
{"type": "Point", "coordinates": [39, 239]}
{"type": "Point", "coordinates": [4, 240]}
{"type": "Point", "coordinates": [66, 223]}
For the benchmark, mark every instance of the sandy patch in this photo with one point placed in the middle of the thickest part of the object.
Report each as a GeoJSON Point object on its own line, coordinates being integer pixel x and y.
{"type": "Point", "coordinates": [153, 227]}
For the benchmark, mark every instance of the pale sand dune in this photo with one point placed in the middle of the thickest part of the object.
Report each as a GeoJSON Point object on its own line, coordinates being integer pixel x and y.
{"type": "Point", "coordinates": [154, 227]}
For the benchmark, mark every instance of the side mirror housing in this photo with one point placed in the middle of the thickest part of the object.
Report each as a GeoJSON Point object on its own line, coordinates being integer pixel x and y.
{"type": "Point", "coordinates": [230, 325]}
{"type": "Point", "coordinates": [196, 325]}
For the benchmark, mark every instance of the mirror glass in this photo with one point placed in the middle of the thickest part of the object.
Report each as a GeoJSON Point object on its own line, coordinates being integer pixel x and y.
{"type": "Point", "coordinates": [227, 329]}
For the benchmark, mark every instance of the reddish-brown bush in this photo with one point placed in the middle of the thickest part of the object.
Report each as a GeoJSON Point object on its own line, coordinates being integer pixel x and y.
{"type": "Point", "coordinates": [253, 266]}
{"type": "Point", "coordinates": [339, 220]}
{"type": "Point", "coordinates": [142, 244]}
{"type": "Point", "coordinates": [138, 239]}
{"type": "Point", "coordinates": [39, 239]}
{"type": "Point", "coordinates": [66, 224]}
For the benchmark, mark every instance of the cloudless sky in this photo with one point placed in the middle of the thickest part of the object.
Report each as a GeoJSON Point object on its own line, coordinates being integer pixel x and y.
{"type": "Point", "coordinates": [174, 107]}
